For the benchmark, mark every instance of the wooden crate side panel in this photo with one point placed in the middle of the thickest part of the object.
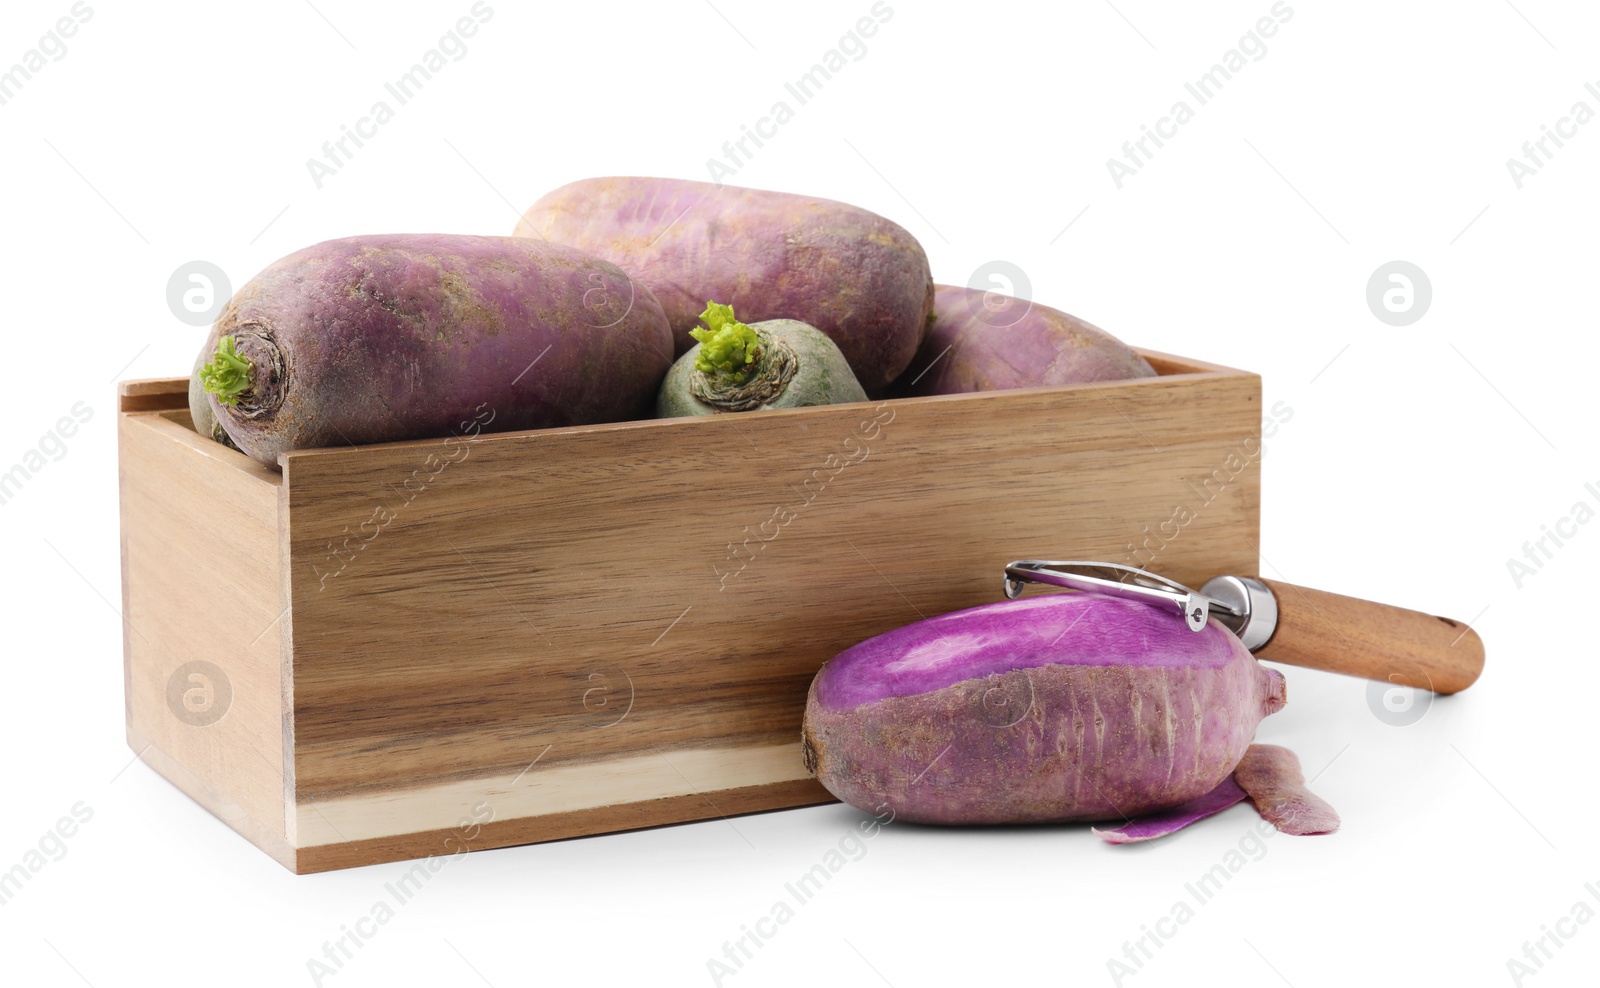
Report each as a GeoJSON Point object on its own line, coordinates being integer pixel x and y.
{"type": "Point", "coordinates": [267, 835]}
{"type": "Point", "coordinates": [152, 394]}
{"type": "Point", "coordinates": [201, 584]}
{"type": "Point", "coordinates": [597, 593]}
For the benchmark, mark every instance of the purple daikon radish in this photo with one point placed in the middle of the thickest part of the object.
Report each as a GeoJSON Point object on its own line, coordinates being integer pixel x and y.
{"type": "Point", "coordinates": [1054, 708]}
{"type": "Point", "coordinates": [411, 336]}
{"type": "Point", "coordinates": [985, 341]}
{"type": "Point", "coordinates": [860, 279]}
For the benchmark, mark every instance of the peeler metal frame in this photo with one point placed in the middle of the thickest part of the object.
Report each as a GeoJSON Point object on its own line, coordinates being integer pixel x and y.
{"type": "Point", "coordinates": [1242, 604]}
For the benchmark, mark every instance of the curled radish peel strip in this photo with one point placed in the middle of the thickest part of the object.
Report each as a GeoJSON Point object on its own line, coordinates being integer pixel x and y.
{"type": "Point", "coordinates": [1268, 776]}
{"type": "Point", "coordinates": [1161, 824]}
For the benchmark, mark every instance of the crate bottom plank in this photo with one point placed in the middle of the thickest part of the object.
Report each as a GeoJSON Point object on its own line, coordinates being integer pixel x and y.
{"type": "Point", "coordinates": [668, 810]}
{"type": "Point", "coordinates": [354, 849]}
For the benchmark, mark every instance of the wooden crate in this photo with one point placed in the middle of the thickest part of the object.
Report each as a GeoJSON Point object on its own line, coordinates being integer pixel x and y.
{"type": "Point", "coordinates": [410, 649]}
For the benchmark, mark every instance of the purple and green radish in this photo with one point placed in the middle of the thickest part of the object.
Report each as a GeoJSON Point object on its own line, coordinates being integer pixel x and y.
{"type": "Point", "coordinates": [200, 414]}
{"type": "Point", "coordinates": [381, 338]}
{"type": "Point", "coordinates": [780, 363]}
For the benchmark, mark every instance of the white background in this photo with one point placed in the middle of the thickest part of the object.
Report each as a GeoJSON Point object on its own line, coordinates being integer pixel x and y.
{"type": "Point", "coordinates": [1419, 459]}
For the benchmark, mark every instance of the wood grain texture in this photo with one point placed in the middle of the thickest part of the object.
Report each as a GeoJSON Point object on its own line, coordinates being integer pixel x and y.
{"type": "Point", "coordinates": [265, 834]}
{"type": "Point", "coordinates": [539, 789]}
{"type": "Point", "coordinates": [572, 601]}
{"type": "Point", "coordinates": [151, 394]}
{"type": "Point", "coordinates": [441, 844]}
{"type": "Point", "coordinates": [197, 587]}
{"type": "Point", "coordinates": [547, 584]}
{"type": "Point", "coordinates": [1322, 630]}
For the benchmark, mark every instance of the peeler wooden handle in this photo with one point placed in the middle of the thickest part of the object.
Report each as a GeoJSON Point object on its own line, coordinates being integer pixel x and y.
{"type": "Point", "coordinates": [1321, 630]}
{"type": "Point", "coordinates": [1281, 622]}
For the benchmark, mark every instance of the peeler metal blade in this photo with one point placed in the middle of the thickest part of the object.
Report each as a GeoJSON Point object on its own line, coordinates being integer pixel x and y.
{"type": "Point", "coordinates": [1117, 580]}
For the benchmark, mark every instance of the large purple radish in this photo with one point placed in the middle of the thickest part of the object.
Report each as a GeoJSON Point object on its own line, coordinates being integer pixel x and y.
{"type": "Point", "coordinates": [1052, 708]}
{"type": "Point", "coordinates": [780, 363]}
{"type": "Point", "coordinates": [985, 341]}
{"type": "Point", "coordinates": [859, 278]}
{"type": "Point", "coordinates": [371, 339]}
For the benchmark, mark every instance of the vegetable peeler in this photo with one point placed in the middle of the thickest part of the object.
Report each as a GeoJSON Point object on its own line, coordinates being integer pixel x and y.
{"type": "Point", "coordinates": [1282, 622]}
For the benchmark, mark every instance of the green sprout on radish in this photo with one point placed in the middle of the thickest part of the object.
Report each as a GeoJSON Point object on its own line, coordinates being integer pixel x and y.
{"type": "Point", "coordinates": [729, 348]}
{"type": "Point", "coordinates": [227, 375]}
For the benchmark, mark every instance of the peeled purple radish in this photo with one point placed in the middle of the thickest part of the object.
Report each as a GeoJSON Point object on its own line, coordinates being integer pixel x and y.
{"type": "Point", "coordinates": [1056, 708]}
{"type": "Point", "coordinates": [1268, 776]}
